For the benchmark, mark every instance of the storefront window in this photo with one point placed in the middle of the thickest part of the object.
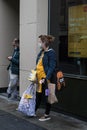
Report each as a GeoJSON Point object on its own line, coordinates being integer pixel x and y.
{"type": "Point", "coordinates": [68, 23]}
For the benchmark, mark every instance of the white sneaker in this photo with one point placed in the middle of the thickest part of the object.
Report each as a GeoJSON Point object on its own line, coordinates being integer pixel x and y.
{"type": "Point", "coordinates": [45, 118]}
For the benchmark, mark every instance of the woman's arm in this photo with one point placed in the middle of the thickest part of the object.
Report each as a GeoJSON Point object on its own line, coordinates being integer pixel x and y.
{"type": "Point", "coordinates": [52, 64]}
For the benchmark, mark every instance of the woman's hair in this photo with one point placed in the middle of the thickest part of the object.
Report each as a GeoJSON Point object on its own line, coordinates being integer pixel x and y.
{"type": "Point", "coordinates": [47, 39]}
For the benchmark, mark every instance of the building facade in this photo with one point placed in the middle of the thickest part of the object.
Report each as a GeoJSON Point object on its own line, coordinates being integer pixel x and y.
{"type": "Point", "coordinates": [67, 21]}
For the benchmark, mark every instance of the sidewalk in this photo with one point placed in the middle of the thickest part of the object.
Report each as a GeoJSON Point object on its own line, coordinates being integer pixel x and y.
{"type": "Point", "coordinates": [58, 121]}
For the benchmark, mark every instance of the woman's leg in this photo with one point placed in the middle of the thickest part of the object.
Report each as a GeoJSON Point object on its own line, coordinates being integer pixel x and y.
{"type": "Point", "coordinates": [48, 108]}
{"type": "Point", "coordinates": [47, 105]}
{"type": "Point", "coordinates": [47, 112]}
{"type": "Point", "coordinates": [38, 100]}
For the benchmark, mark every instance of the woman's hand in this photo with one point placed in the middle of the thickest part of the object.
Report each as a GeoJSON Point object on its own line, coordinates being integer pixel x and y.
{"type": "Point", "coordinates": [42, 81]}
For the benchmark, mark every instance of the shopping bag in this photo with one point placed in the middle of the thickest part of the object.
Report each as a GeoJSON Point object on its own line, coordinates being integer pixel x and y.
{"type": "Point", "coordinates": [52, 97]}
{"type": "Point", "coordinates": [28, 101]}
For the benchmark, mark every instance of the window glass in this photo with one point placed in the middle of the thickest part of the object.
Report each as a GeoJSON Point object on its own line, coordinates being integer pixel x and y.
{"type": "Point", "coordinates": [72, 35]}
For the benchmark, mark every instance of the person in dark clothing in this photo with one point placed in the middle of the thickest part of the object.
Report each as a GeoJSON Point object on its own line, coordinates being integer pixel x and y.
{"type": "Point", "coordinates": [13, 69]}
{"type": "Point", "coordinates": [45, 69]}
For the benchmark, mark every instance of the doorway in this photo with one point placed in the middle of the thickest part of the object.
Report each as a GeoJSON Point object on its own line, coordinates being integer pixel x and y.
{"type": "Point", "coordinates": [9, 29]}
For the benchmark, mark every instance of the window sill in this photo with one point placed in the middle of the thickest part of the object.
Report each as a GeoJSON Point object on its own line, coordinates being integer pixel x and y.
{"type": "Point", "coordinates": [75, 76]}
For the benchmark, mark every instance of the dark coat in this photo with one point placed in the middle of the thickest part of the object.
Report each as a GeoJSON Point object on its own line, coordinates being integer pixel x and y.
{"type": "Point", "coordinates": [14, 65]}
{"type": "Point", "coordinates": [49, 62]}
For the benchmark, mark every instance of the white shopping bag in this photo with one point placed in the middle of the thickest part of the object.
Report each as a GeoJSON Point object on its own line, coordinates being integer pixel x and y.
{"type": "Point", "coordinates": [28, 101]}
{"type": "Point", "coordinates": [52, 97]}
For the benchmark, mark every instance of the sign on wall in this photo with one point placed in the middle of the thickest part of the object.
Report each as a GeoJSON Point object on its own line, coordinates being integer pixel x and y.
{"type": "Point", "coordinates": [77, 31]}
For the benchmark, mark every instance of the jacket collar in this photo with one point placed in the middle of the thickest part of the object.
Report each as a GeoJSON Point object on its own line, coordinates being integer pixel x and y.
{"type": "Point", "coordinates": [16, 49]}
{"type": "Point", "coordinates": [50, 49]}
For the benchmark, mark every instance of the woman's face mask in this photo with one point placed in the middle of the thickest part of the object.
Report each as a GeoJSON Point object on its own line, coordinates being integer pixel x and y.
{"type": "Point", "coordinates": [40, 45]}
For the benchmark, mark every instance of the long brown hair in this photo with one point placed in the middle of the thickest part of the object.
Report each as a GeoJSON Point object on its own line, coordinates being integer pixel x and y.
{"type": "Point", "coordinates": [47, 39]}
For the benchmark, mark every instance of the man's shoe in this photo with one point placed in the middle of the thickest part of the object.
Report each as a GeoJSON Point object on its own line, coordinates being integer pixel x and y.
{"type": "Point", "coordinates": [45, 118]}
{"type": "Point", "coordinates": [17, 109]}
